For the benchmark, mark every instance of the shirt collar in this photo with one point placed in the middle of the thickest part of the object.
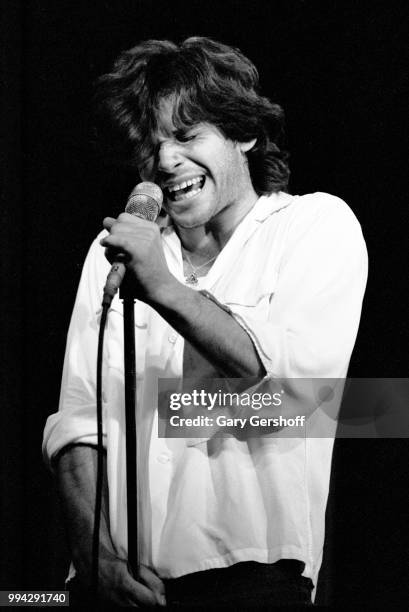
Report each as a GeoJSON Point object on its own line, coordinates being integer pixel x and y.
{"type": "Point", "coordinates": [267, 205]}
{"type": "Point", "coordinates": [263, 208]}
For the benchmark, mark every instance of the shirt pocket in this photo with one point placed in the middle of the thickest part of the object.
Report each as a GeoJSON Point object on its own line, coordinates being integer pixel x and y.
{"type": "Point", "coordinates": [251, 294]}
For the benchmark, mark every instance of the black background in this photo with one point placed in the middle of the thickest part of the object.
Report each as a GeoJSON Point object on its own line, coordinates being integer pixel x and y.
{"type": "Point", "coordinates": [339, 70]}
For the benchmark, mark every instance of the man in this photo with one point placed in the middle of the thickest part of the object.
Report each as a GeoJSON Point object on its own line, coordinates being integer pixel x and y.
{"type": "Point", "coordinates": [245, 281]}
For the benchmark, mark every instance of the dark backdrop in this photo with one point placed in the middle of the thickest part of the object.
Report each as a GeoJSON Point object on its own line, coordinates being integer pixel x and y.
{"type": "Point", "coordinates": [339, 71]}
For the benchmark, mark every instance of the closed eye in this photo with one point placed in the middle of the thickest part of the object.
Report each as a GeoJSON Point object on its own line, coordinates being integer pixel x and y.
{"type": "Point", "coordinates": [184, 135]}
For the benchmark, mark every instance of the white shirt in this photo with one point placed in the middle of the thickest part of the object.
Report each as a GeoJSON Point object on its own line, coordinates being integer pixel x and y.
{"type": "Point", "coordinates": [293, 275]}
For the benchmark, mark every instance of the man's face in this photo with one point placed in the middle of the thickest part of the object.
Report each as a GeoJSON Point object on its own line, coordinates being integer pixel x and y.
{"type": "Point", "coordinates": [202, 173]}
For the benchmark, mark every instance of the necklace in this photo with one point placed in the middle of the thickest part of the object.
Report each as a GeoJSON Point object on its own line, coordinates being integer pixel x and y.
{"type": "Point", "coordinates": [191, 279]}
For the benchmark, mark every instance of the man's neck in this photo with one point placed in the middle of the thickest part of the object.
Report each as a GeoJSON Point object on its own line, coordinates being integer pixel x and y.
{"type": "Point", "coordinates": [210, 239]}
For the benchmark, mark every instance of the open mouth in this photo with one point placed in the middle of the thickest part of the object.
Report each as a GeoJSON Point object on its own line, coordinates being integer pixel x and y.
{"type": "Point", "coordinates": [186, 189]}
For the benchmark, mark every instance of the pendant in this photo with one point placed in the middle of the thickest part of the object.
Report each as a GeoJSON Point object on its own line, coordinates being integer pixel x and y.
{"type": "Point", "coordinates": [191, 279]}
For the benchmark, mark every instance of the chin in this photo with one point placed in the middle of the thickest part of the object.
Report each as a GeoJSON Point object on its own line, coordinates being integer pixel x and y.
{"type": "Point", "coordinates": [190, 219]}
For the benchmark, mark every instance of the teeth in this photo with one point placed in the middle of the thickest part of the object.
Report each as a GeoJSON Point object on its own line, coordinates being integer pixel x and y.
{"type": "Point", "coordinates": [188, 183]}
{"type": "Point", "coordinates": [191, 194]}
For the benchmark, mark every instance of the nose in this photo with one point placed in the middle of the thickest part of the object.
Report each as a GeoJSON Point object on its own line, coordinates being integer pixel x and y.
{"type": "Point", "coordinates": [169, 156]}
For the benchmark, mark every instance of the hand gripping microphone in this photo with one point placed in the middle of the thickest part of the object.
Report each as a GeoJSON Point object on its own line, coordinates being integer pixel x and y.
{"type": "Point", "coordinates": [145, 201]}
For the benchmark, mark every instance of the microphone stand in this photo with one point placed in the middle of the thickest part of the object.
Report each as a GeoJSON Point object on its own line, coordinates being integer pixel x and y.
{"type": "Point", "coordinates": [126, 294]}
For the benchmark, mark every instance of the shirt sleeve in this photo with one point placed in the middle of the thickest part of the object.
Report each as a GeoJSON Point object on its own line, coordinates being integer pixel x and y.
{"type": "Point", "coordinates": [75, 421]}
{"type": "Point", "coordinates": [314, 309]}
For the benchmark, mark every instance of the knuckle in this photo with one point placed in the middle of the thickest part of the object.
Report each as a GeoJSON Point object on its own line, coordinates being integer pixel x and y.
{"type": "Point", "coordinates": [114, 227]}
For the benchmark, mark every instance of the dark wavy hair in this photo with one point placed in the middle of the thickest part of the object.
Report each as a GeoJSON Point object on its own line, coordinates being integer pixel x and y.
{"type": "Point", "coordinates": [210, 82]}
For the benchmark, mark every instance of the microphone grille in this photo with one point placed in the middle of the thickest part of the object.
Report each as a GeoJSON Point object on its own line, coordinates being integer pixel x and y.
{"type": "Point", "coordinates": [145, 201]}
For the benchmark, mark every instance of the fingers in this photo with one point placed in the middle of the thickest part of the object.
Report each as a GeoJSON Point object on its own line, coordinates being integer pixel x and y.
{"type": "Point", "coordinates": [130, 225]}
{"type": "Point", "coordinates": [116, 226]}
{"type": "Point", "coordinates": [138, 594]}
{"type": "Point", "coordinates": [153, 582]}
{"type": "Point", "coordinates": [108, 222]}
{"type": "Point", "coordinates": [151, 593]}
{"type": "Point", "coordinates": [125, 219]}
{"type": "Point", "coordinates": [118, 586]}
{"type": "Point", "coordinates": [124, 231]}
{"type": "Point", "coordinates": [119, 242]}
{"type": "Point", "coordinates": [137, 243]}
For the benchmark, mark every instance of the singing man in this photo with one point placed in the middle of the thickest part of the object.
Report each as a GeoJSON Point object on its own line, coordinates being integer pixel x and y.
{"type": "Point", "coordinates": [244, 280]}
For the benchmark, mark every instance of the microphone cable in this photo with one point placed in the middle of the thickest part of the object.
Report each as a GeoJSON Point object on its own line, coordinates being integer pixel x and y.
{"type": "Point", "coordinates": [100, 457]}
{"type": "Point", "coordinates": [145, 201]}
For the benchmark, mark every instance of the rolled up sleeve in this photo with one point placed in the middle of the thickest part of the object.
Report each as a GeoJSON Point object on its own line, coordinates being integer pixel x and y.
{"type": "Point", "coordinates": [75, 421]}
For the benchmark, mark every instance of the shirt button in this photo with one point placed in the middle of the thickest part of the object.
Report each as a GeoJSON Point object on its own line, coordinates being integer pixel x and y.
{"type": "Point", "coordinates": [163, 458]}
{"type": "Point", "coordinates": [172, 338]}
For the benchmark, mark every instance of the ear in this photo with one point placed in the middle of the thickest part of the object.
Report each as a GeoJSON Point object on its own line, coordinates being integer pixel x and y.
{"type": "Point", "coordinates": [247, 146]}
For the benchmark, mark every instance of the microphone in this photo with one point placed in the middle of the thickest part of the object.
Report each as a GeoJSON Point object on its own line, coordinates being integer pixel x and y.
{"type": "Point", "coordinates": [145, 201]}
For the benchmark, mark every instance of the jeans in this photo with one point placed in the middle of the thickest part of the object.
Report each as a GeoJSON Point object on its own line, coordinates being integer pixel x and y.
{"type": "Point", "coordinates": [243, 586]}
